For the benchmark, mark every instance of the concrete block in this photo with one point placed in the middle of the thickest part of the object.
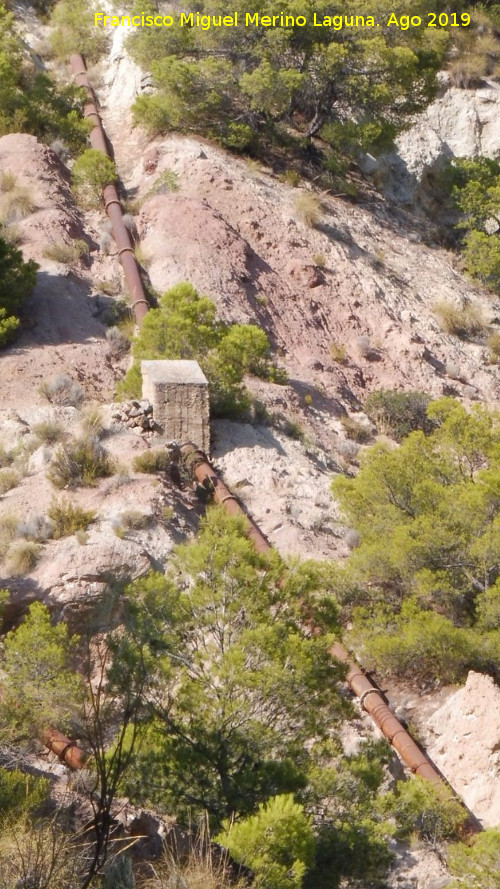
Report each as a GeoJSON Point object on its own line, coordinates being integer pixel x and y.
{"type": "Point", "coordinates": [178, 391]}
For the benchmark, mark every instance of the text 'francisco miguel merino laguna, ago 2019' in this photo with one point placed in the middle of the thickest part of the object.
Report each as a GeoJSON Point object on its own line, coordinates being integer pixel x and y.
{"type": "Point", "coordinates": [256, 20]}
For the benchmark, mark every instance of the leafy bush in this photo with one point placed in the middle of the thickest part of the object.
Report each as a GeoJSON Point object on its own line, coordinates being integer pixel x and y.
{"type": "Point", "coordinates": [67, 518]}
{"type": "Point", "coordinates": [399, 413]}
{"type": "Point", "coordinates": [185, 326]}
{"type": "Point", "coordinates": [277, 843]}
{"type": "Point", "coordinates": [426, 514]}
{"type": "Point", "coordinates": [418, 645]}
{"type": "Point", "coordinates": [74, 31]}
{"type": "Point", "coordinates": [477, 865]}
{"type": "Point", "coordinates": [62, 390]}
{"type": "Point", "coordinates": [79, 463]}
{"type": "Point", "coordinates": [152, 461]}
{"type": "Point", "coordinates": [91, 173]}
{"type": "Point", "coordinates": [465, 323]}
{"type": "Point", "coordinates": [429, 811]}
{"type": "Point", "coordinates": [17, 279]}
{"type": "Point", "coordinates": [30, 101]}
{"type": "Point", "coordinates": [22, 556]}
{"type": "Point", "coordinates": [256, 88]}
{"type": "Point", "coordinates": [21, 792]}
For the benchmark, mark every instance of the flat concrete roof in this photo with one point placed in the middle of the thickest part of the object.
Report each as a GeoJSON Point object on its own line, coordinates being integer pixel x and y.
{"type": "Point", "coordinates": [182, 373]}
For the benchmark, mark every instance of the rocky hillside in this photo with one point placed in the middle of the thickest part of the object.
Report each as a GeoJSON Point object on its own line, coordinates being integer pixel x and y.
{"type": "Point", "coordinates": [346, 292]}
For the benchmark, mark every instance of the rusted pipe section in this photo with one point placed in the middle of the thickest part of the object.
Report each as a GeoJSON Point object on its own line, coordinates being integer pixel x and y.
{"type": "Point", "coordinates": [205, 474]}
{"type": "Point", "coordinates": [371, 697]}
{"type": "Point", "coordinates": [112, 203]}
{"type": "Point", "coordinates": [372, 700]}
{"type": "Point", "coordinates": [68, 751]}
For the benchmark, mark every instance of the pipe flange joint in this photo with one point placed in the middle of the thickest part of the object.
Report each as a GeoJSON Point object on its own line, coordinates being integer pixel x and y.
{"type": "Point", "coordinates": [137, 301]}
{"type": "Point", "coordinates": [127, 250]}
{"type": "Point", "coordinates": [363, 697]}
{"type": "Point", "coordinates": [112, 201]}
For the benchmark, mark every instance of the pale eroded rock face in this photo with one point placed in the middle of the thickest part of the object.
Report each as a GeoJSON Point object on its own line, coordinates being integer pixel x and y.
{"type": "Point", "coordinates": [459, 123]}
{"type": "Point", "coordinates": [465, 744]}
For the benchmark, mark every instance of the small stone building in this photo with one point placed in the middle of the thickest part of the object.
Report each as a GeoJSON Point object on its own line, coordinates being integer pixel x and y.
{"type": "Point", "coordinates": [178, 391]}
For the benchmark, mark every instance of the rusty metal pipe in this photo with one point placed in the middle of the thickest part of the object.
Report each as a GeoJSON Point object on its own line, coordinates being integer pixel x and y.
{"type": "Point", "coordinates": [203, 471]}
{"type": "Point", "coordinates": [112, 203]}
{"type": "Point", "coordinates": [68, 751]}
{"type": "Point", "coordinates": [371, 697]}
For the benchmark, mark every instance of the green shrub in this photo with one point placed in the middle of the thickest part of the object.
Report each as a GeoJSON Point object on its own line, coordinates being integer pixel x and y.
{"type": "Point", "coordinates": [277, 843]}
{"type": "Point", "coordinates": [399, 413]}
{"type": "Point", "coordinates": [17, 279]}
{"type": "Point", "coordinates": [91, 173]}
{"type": "Point", "coordinates": [166, 182]}
{"type": "Point", "coordinates": [21, 792]}
{"type": "Point", "coordinates": [67, 518]}
{"type": "Point", "coordinates": [22, 556]}
{"type": "Point", "coordinates": [463, 323]}
{"type": "Point", "coordinates": [431, 812]}
{"type": "Point", "coordinates": [79, 463]}
{"type": "Point", "coordinates": [185, 327]}
{"type": "Point", "coordinates": [152, 461]}
{"type": "Point", "coordinates": [74, 31]}
{"type": "Point", "coordinates": [476, 866]}
{"type": "Point", "coordinates": [417, 645]}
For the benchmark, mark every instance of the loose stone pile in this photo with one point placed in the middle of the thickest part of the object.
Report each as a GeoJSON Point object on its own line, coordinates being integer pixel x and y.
{"type": "Point", "coordinates": [135, 415]}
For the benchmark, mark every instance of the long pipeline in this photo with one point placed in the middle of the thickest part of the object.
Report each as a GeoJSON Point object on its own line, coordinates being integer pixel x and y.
{"type": "Point", "coordinates": [370, 696]}
{"type": "Point", "coordinates": [112, 203]}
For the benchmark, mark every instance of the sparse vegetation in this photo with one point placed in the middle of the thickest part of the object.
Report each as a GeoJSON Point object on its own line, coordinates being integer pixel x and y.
{"type": "Point", "coordinates": [130, 520]}
{"type": "Point", "coordinates": [319, 260]}
{"type": "Point", "coordinates": [22, 556]}
{"type": "Point", "coordinates": [399, 413]}
{"type": "Point", "coordinates": [49, 432]}
{"type": "Point", "coordinates": [37, 528]}
{"type": "Point", "coordinates": [9, 478]}
{"type": "Point", "coordinates": [356, 431]}
{"type": "Point", "coordinates": [67, 518]}
{"type": "Point", "coordinates": [494, 347]}
{"type": "Point", "coordinates": [8, 181]}
{"type": "Point", "coordinates": [338, 353]}
{"type": "Point", "coordinates": [166, 182]}
{"type": "Point", "coordinates": [79, 463]}
{"type": "Point", "coordinates": [67, 253]}
{"type": "Point", "coordinates": [62, 390]}
{"type": "Point", "coordinates": [466, 322]}
{"type": "Point", "coordinates": [152, 461]}
{"type": "Point", "coordinates": [74, 31]}
{"type": "Point", "coordinates": [308, 208]}
{"type": "Point", "coordinates": [364, 346]}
